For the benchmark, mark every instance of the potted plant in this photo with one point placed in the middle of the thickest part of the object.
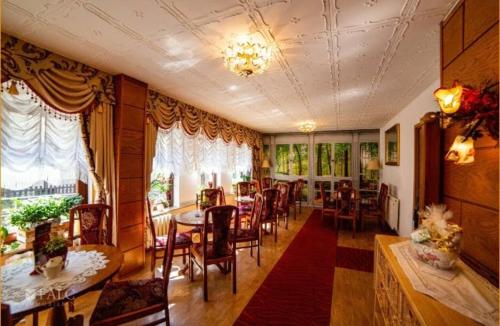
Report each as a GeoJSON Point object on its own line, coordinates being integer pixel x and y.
{"type": "Point", "coordinates": [54, 210]}
{"type": "Point", "coordinates": [56, 246]}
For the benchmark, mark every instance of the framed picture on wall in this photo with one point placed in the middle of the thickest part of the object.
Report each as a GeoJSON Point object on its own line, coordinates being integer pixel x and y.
{"type": "Point", "coordinates": [392, 145]}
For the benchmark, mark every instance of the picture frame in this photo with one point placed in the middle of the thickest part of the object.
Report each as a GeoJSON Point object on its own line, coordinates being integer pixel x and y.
{"type": "Point", "coordinates": [392, 145]}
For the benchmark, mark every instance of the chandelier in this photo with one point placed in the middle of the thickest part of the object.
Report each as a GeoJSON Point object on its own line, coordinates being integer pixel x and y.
{"type": "Point", "coordinates": [307, 126]}
{"type": "Point", "coordinates": [247, 54]}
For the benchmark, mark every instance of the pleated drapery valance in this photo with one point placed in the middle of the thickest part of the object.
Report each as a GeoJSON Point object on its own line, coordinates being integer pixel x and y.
{"type": "Point", "coordinates": [167, 111]}
{"type": "Point", "coordinates": [64, 84]}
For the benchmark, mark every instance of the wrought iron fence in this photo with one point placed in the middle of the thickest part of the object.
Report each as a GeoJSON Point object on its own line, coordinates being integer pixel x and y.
{"type": "Point", "coordinates": [40, 190]}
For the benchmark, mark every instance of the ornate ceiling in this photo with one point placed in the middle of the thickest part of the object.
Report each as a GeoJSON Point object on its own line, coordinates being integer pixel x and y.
{"type": "Point", "coordinates": [347, 64]}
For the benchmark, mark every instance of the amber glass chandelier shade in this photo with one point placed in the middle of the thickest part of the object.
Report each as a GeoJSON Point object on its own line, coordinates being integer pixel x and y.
{"type": "Point", "coordinates": [449, 98]}
{"type": "Point", "coordinates": [462, 151]}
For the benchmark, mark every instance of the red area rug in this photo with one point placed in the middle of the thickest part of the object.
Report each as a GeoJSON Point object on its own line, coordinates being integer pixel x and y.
{"type": "Point", "coordinates": [353, 258]}
{"type": "Point", "coordinates": [298, 290]}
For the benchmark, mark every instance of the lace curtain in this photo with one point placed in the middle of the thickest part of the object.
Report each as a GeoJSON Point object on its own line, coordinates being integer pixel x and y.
{"type": "Point", "coordinates": [176, 151]}
{"type": "Point", "coordinates": [38, 143]}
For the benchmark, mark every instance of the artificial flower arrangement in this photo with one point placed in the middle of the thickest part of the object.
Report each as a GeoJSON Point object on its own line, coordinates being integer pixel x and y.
{"type": "Point", "coordinates": [437, 242]}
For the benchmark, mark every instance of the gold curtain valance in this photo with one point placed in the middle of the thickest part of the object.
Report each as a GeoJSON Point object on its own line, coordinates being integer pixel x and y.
{"type": "Point", "coordinates": [167, 111]}
{"type": "Point", "coordinates": [64, 84]}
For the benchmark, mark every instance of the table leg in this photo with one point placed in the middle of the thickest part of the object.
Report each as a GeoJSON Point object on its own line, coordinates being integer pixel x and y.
{"type": "Point", "coordinates": [57, 315]}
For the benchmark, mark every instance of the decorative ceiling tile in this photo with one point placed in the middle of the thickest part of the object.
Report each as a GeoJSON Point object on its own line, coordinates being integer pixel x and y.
{"type": "Point", "coordinates": [346, 64]}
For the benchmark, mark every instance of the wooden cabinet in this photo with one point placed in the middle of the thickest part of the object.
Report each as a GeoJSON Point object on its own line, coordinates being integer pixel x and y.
{"type": "Point", "coordinates": [396, 302]}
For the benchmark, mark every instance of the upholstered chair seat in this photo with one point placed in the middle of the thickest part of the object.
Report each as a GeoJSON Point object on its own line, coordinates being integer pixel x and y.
{"type": "Point", "coordinates": [181, 239]}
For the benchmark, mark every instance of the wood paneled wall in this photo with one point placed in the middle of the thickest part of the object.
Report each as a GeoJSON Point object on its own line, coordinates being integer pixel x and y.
{"type": "Point", "coordinates": [129, 126]}
{"type": "Point", "coordinates": [469, 48]}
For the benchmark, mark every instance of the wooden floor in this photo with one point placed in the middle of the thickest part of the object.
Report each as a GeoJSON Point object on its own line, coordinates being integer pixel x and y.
{"type": "Point", "coordinates": [352, 301]}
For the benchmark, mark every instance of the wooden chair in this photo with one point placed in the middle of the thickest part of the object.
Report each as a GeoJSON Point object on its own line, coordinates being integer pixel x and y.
{"type": "Point", "coordinates": [345, 183]}
{"type": "Point", "coordinates": [96, 223]}
{"type": "Point", "coordinates": [210, 197]}
{"type": "Point", "coordinates": [329, 205]}
{"type": "Point", "coordinates": [7, 320]}
{"type": "Point", "coordinates": [267, 182]}
{"type": "Point", "coordinates": [182, 241]}
{"type": "Point", "coordinates": [346, 207]}
{"type": "Point", "coordinates": [244, 188]}
{"type": "Point", "coordinates": [377, 211]}
{"type": "Point", "coordinates": [252, 235]}
{"type": "Point", "coordinates": [221, 249]}
{"type": "Point", "coordinates": [298, 190]}
{"type": "Point", "coordinates": [125, 301]}
{"type": "Point", "coordinates": [255, 187]}
{"type": "Point", "coordinates": [283, 208]}
{"type": "Point", "coordinates": [292, 197]}
{"type": "Point", "coordinates": [269, 212]}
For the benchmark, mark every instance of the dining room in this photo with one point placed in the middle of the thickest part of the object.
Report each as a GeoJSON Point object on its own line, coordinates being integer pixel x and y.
{"type": "Point", "coordinates": [249, 162]}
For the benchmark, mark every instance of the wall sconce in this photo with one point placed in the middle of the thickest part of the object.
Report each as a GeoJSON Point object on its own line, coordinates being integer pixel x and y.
{"type": "Point", "coordinates": [462, 151]}
{"type": "Point", "coordinates": [449, 99]}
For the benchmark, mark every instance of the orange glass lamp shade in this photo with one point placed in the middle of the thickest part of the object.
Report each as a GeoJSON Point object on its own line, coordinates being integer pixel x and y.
{"type": "Point", "coordinates": [449, 98]}
{"type": "Point", "coordinates": [462, 151]}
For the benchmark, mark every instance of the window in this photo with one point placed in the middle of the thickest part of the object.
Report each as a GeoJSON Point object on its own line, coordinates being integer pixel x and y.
{"type": "Point", "coordinates": [282, 159]}
{"type": "Point", "coordinates": [368, 178]}
{"type": "Point", "coordinates": [342, 156]}
{"type": "Point", "coordinates": [300, 159]}
{"type": "Point", "coordinates": [323, 159]}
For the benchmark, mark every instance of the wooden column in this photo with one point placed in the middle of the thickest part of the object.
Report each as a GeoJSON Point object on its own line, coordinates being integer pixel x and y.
{"type": "Point", "coordinates": [129, 125]}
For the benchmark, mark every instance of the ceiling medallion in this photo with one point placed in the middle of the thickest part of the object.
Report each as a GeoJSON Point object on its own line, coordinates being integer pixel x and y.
{"type": "Point", "coordinates": [307, 126]}
{"type": "Point", "coordinates": [248, 54]}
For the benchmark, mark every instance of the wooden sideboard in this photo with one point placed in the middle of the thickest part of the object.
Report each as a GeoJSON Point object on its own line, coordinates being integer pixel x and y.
{"type": "Point", "coordinates": [396, 302]}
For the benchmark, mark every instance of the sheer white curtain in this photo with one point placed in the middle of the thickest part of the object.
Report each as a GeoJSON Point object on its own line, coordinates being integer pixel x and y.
{"type": "Point", "coordinates": [176, 151]}
{"type": "Point", "coordinates": [38, 144]}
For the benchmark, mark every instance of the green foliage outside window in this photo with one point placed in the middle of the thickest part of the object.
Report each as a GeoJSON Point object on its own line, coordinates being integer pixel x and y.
{"type": "Point", "coordinates": [282, 159]}
{"type": "Point", "coordinates": [300, 162]}
{"type": "Point", "coordinates": [323, 159]}
{"type": "Point", "coordinates": [342, 159]}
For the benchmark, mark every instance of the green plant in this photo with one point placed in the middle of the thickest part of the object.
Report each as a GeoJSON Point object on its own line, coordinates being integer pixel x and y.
{"type": "Point", "coordinates": [42, 210]}
{"type": "Point", "coordinates": [55, 245]}
{"type": "Point", "coordinates": [159, 183]}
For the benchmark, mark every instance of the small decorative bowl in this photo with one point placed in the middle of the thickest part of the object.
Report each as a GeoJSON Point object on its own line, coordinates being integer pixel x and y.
{"type": "Point", "coordinates": [433, 256]}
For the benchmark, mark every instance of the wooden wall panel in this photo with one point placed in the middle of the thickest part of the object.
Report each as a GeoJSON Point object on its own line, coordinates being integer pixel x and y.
{"type": "Point", "coordinates": [471, 190]}
{"type": "Point", "coordinates": [478, 19]}
{"type": "Point", "coordinates": [476, 64]}
{"type": "Point", "coordinates": [481, 239]}
{"type": "Point", "coordinates": [453, 37]}
{"type": "Point", "coordinates": [129, 144]}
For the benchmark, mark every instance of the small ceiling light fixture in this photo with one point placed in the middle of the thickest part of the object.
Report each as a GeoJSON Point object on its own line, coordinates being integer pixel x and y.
{"type": "Point", "coordinates": [248, 54]}
{"type": "Point", "coordinates": [307, 126]}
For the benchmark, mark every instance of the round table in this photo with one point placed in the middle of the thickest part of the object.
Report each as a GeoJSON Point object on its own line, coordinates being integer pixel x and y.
{"type": "Point", "coordinates": [55, 300]}
{"type": "Point", "coordinates": [191, 218]}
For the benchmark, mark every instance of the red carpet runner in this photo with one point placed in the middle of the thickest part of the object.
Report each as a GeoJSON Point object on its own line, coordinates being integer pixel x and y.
{"type": "Point", "coordinates": [298, 290]}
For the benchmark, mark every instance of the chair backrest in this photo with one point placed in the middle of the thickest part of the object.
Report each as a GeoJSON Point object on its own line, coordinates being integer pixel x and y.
{"type": "Point", "coordinates": [382, 196]}
{"type": "Point", "coordinates": [345, 183]}
{"type": "Point", "coordinates": [221, 228]}
{"type": "Point", "coordinates": [211, 197]}
{"type": "Point", "coordinates": [6, 316]}
{"type": "Point", "coordinates": [243, 188]}
{"type": "Point", "coordinates": [346, 200]}
{"type": "Point", "coordinates": [270, 198]}
{"type": "Point", "coordinates": [283, 188]}
{"type": "Point", "coordinates": [169, 255]}
{"type": "Point", "coordinates": [298, 189]}
{"type": "Point", "coordinates": [292, 194]}
{"type": "Point", "coordinates": [256, 186]}
{"type": "Point", "coordinates": [258, 205]}
{"type": "Point", "coordinates": [267, 182]}
{"type": "Point", "coordinates": [96, 223]}
{"type": "Point", "coordinates": [151, 222]}
{"type": "Point", "coordinates": [223, 195]}
{"type": "Point", "coordinates": [324, 198]}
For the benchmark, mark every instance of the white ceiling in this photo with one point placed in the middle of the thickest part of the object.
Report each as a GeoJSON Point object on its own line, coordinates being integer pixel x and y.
{"type": "Point", "coordinates": [347, 64]}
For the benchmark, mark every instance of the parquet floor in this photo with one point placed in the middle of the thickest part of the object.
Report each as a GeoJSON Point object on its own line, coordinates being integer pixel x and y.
{"type": "Point", "coordinates": [352, 301]}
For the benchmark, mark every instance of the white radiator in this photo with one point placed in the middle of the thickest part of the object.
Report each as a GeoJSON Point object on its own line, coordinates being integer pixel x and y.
{"type": "Point", "coordinates": [392, 216]}
{"type": "Point", "coordinates": [161, 227]}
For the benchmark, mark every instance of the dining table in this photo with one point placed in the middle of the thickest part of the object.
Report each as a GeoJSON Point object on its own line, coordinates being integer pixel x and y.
{"type": "Point", "coordinates": [88, 268]}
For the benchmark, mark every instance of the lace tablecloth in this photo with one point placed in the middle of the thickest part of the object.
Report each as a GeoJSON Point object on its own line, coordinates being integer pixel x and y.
{"type": "Point", "coordinates": [460, 289]}
{"type": "Point", "coordinates": [18, 284]}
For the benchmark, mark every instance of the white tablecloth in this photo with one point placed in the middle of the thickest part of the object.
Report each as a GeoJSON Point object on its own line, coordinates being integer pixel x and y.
{"type": "Point", "coordinates": [18, 284]}
{"type": "Point", "coordinates": [455, 289]}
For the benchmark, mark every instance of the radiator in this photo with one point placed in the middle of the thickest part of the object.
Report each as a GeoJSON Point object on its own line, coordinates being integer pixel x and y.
{"type": "Point", "coordinates": [161, 227]}
{"type": "Point", "coordinates": [392, 216]}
